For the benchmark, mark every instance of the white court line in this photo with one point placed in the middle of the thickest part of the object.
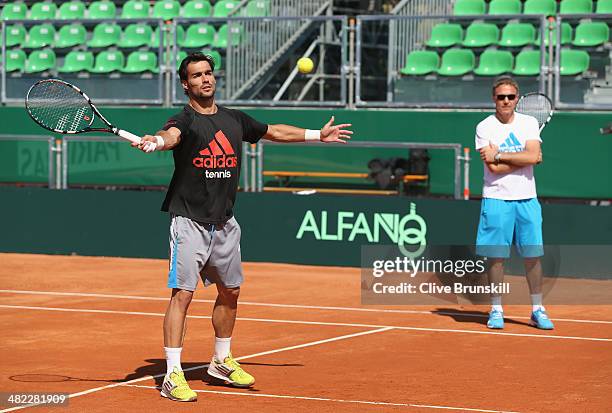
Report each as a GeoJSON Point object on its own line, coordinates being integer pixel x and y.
{"type": "Point", "coordinates": [324, 399]}
{"type": "Point", "coordinates": [318, 323]}
{"type": "Point", "coordinates": [312, 343]}
{"type": "Point", "coordinates": [308, 307]}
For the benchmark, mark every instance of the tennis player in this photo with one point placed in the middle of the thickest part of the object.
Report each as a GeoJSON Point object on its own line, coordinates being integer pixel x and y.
{"type": "Point", "coordinates": [206, 140]}
{"type": "Point", "coordinates": [509, 145]}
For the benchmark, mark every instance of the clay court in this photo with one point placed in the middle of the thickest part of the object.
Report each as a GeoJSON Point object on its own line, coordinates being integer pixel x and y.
{"type": "Point", "coordinates": [91, 327]}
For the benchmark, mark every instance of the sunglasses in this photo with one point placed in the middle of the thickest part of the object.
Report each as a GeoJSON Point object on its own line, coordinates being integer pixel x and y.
{"type": "Point", "coordinates": [502, 97]}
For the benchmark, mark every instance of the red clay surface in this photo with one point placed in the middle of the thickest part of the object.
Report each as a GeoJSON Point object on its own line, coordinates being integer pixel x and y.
{"type": "Point", "coordinates": [416, 359]}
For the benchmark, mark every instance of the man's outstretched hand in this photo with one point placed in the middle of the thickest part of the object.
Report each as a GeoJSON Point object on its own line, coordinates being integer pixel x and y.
{"type": "Point", "coordinates": [335, 133]}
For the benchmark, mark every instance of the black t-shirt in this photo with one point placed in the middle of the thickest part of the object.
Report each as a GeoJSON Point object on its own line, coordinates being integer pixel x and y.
{"type": "Point", "coordinates": [207, 162]}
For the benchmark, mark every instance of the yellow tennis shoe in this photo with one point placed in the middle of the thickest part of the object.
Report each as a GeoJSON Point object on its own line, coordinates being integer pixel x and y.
{"type": "Point", "coordinates": [230, 371]}
{"type": "Point", "coordinates": [175, 387]}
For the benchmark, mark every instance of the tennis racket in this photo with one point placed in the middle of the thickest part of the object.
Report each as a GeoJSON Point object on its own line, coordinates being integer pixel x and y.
{"type": "Point", "coordinates": [537, 105]}
{"type": "Point", "coordinates": [63, 108]}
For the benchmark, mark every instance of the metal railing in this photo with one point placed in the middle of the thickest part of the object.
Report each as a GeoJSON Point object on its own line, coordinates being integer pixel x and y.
{"type": "Point", "coordinates": [269, 43]}
{"type": "Point", "coordinates": [404, 34]}
{"type": "Point", "coordinates": [257, 167]}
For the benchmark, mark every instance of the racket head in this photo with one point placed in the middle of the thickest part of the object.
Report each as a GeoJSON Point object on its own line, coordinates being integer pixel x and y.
{"type": "Point", "coordinates": [59, 106]}
{"type": "Point", "coordinates": [537, 105]}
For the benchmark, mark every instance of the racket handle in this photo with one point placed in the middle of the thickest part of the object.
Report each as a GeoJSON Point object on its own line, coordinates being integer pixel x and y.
{"type": "Point", "coordinates": [129, 136]}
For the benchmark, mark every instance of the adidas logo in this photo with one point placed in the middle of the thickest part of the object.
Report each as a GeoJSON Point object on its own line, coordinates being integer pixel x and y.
{"type": "Point", "coordinates": [219, 154]}
{"type": "Point", "coordinates": [511, 144]}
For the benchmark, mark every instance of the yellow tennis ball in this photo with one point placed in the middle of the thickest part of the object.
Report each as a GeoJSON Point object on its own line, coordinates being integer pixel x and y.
{"type": "Point", "coordinates": [305, 65]}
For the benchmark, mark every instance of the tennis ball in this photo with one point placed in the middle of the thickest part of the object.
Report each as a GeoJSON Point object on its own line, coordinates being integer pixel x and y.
{"type": "Point", "coordinates": [305, 65]}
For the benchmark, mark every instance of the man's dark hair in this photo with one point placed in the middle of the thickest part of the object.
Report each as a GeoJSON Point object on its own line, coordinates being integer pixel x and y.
{"type": "Point", "coordinates": [505, 80]}
{"type": "Point", "coordinates": [194, 57]}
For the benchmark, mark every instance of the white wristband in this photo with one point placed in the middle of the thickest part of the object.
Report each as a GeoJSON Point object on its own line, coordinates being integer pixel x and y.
{"type": "Point", "coordinates": [152, 147]}
{"type": "Point", "coordinates": [160, 143]}
{"type": "Point", "coordinates": [312, 135]}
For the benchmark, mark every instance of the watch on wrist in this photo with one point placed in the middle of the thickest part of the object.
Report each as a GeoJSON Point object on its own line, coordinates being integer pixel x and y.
{"type": "Point", "coordinates": [497, 158]}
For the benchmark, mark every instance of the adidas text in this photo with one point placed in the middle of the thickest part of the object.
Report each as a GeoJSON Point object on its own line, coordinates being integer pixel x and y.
{"type": "Point", "coordinates": [213, 162]}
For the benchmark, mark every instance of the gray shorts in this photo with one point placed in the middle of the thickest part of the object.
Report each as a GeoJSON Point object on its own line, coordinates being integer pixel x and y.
{"type": "Point", "coordinates": [210, 252]}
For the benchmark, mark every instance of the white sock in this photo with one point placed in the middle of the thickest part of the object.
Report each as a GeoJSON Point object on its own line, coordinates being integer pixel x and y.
{"type": "Point", "coordinates": [536, 302]}
{"type": "Point", "coordinates": [496, 304]}
{"type": "Point", "coordinates": [173, 358]}
{"type": "Point", "coordinates": [222, 348]}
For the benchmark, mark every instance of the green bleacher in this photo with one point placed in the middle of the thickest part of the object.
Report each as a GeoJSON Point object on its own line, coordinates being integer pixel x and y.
{"type": "Point", "coordinates": [470, 45]}
{"type": "Point", "coordinates": [79, 46]}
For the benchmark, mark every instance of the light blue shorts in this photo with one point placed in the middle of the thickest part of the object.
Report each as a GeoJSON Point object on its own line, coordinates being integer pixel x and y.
{"type": "Point", "coordinates": [503, 223]}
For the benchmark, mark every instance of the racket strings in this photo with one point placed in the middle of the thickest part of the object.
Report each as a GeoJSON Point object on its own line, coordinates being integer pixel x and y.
{"type": "Point", "coordinates": [58, 106]}
{"type": "Point", "coordinates": [537, 106]}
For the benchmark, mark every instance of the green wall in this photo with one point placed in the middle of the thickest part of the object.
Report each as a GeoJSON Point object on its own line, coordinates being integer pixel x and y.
{"type": "Point", "coordinates": [576, 157]}
{"type": "Point", "coordinates": [275, 227]}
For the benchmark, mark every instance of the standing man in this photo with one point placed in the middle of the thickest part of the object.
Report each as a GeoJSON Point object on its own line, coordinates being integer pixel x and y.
{"type": "Point", "coordinates": [206, 140]}
{"type": "Point", "coordinates": [509, 146]}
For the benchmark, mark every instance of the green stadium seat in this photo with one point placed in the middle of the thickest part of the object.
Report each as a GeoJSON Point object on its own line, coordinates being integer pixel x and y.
{"type": "Point", "coordinates": [180, 55]}
{"type": "Point", "coordinates": [180, 37]}
{"type": "Point", "coordinates": [468, 7]}
{"type": "Point", "coordinates": [223, 36]}
{"type": "Point", "coordinates": [135, 9]}
{"type": "Point", "coordinates": [481, 35]}
{"type": "Point", "coordinates": [77, 61]}
{"type": "Point", "coordinates": [15, 60]}
{"type": "Point", "coordinates": [604, 6]}
{"type": "Point", "coordinates": [103, 9]}
{"type": "Point", "coordinates": [574, 62]}
{"type": "Point", "coordinates": [166, 9]}
{"type": "Point", "coordinates": [575, 6]}
{"type": "Point", "coordinates": [223, 8]}
{"type": "Point", "coordinates": [566, 35]}
{"type": "Point", "coordinates": [517, 35]}
{"type": "Point", "coordinates": [457, 62]}
{"type": "Point", "coordinates": [591, 34]}
{"type": "Point", "coordinates": [108, 61]}
{"type": "Point", "coordinates": [258, 8]}
{"type": "Point", "coordinates": [505, 7]}
{"type": "Point", "coordinates": [72, 10]}
{"type": "Point", "coordinates": [43, 11]}
{"type": "Point", "coordinates": [494, 63]}
{"type": "Point", "coordinates": [445, 35]}
{"type": "Point", "coordinates": [216, 57]}
{"type": "Point", "coordinates": [40, 35]}
{"type": "Point", "coordinates": [136, 35]}
{"type": "Point", "coordinates": [527, 63]}
{"type": "Point", "coordinates": [196, 8]}
{"type": "Point", "coordinates": [105, 35]}
{"type": "Point", "coordinates": [71, 35]}
{"type": "Point", "coordinates": [40, 61]}
{"type": "Point", "coordinates": [141, 62]}
{"type": "Point", "coordinates": [14, 11]}
{"type": "Point", "coordinates": [15, 35]}
{"type": "Point", "coordinates": [546, 7]}
{"type": "Point", "coordinates": [421, 62]}
{"type": "Point", "coordinates": [198, 35]}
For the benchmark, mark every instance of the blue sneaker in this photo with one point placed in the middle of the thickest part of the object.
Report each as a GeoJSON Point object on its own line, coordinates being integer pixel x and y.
{"type": "Point", "coordinates": [540, 319]}
{"type": "Point", "coordinates": [496, 320]}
